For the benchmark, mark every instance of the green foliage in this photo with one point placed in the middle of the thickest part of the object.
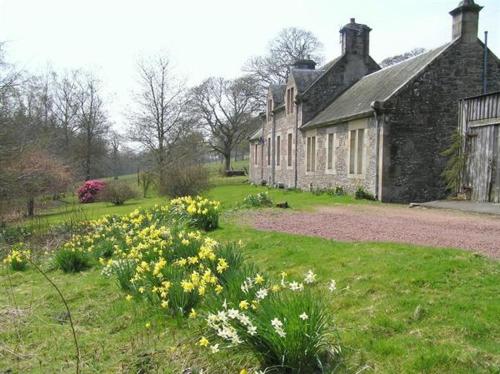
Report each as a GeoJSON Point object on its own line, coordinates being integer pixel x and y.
{"type": "Point", "coordinates": [116, 192]}
{"type": "Point", "coordinates": [18, 257]}
{"type": "Point", "coordinates": [284, 325]}
{"type": "Point", "coordinates": [307, 346]}
{"type": "Point", "coordinates": [336, 191]}
{"type": "Point", "coordinates": [455, 165]}
{"type": "Point", "coordinates": [14, 234]}
{"type": "Point", "coordinates": [258, 200]}
{"type": "Point", "coordinates": [362, 194]}
{"type": "Point", "coordinates": [72, 261]}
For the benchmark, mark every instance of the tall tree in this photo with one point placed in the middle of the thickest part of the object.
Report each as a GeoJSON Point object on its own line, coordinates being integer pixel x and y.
{"type": "Point", "coordinates": [92, 122]}
{"type": "Point", "coordinates": [66, 109]}
{"type": "Point", "coordinates": [225, 109]}
{"type": "Point", "coordinates": [290, 45]}
{"type": "Point", "coordinates": [158, 120]}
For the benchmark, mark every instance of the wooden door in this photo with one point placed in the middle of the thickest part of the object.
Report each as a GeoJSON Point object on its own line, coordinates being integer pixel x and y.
{"type": "Point", "coordinates": [495, 166]}
{"type": "Point", "coordinates": [481, 163]}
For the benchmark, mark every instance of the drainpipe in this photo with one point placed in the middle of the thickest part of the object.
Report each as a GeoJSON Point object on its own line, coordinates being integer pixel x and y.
{"type": "Point", "coordinates": [273, 150]}
{"type": "Point", "coordinates": [485, 64]}
{"type": "Point", "coordinates": [262, 142]}
{"type": "Point", "coordinates": [377, 107]}
{"type": "Point", "coordinates": [296, 176]}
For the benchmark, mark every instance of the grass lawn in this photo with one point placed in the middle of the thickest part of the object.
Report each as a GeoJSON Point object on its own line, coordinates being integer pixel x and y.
{"type": "Point", "coordinates": [398, 308]}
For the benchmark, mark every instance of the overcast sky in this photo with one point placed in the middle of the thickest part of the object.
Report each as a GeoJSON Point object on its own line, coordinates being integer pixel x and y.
{"type": "Point", "coordinates": [206, 38]}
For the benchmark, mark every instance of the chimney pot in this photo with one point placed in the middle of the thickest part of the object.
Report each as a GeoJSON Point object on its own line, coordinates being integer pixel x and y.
{"type": "Point", "coordinates": [355, 39]}
{"type": "Point", "coordinates": [465, 20]}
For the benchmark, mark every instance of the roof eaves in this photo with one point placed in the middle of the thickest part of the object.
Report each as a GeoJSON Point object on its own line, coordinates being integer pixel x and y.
{"type": "Point", "coordinates": [335, 121]}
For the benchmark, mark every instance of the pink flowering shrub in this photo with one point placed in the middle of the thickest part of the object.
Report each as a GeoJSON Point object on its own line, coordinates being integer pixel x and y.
{"type": "Point", "coordinates": [87, 193]}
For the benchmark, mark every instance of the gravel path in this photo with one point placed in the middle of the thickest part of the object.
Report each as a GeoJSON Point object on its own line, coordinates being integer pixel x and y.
{"type": "Point", "coordinates": [436, 228]}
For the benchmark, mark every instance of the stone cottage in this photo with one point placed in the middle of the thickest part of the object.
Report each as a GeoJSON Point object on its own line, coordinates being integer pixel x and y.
{"type": "Point", "coordinates": [351, 123]}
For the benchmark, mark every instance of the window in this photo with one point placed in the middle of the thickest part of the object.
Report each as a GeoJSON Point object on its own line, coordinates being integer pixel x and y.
{"type": "Point", "coordinates": [255, 149]}
{"type": "Point", "coordinates": [289, 100]}
{"type": "Point", "coordinates": [289, 149]}
{"type": "Point", "coordinates": [311, 153]}
{"type": "Point", "coordinates": [268, 151]}
{"type": "Point", "coordinates": [278, 150]}
{"type": "Point", "coordinates": [330, 158]}
{"type": "Point", "coordinates": [356, 151]}
{"type": "Point", "coordinates": [269, 109]}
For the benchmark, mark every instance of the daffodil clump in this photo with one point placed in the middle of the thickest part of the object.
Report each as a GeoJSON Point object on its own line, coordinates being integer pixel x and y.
{"type": "Point", "coordinates": [155, 256]}
{"type": "Point", "coordinates": [285, 323]}
{"type": "Point", "coordinates": [261, 199]}
{"type": "Point", "coordinates": [202, 213]}
{"type": "Point", "coordinates": [18, 257]}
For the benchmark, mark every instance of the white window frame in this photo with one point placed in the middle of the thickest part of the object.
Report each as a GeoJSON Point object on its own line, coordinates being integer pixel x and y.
{"type": "Point", "coordinates": [357, 173]}
{"type": "Point", "coordinates": [290, 149]}
{"type": "Point", "coordinates": [311, 167]}
{"type": "Point", "coordinates": [277, 151]}
{"type": "Point", "coordinates": [333, 169]}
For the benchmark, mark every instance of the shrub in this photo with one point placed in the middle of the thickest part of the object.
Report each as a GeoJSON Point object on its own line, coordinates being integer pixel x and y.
{"type": "Point", "coordinates": [71, 260]}
{"type": "Point", "coordinates": [258, 200]}
{"type": "Point", "coordinates": [362, 194]}
{"type": "Point", "coordinates": [285, 325]}
{"type": "Point", "coordinates": [185, 180]}
{"type": "Point", "coordinates": [116, 192]}
{"type": "Point", "coordinates": [17, 259]}
{"type": "Point", "coordinates": [14, 234]}
{"type": "Point", "coordinates": [201, 213]}
{"type": "Point", "coordinates": [87, 193]}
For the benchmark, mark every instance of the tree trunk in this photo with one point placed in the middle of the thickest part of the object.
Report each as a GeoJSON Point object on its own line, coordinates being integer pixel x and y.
{"type": "Point", "coordinates": [227, 161]}
{"type": "Point", "coordinates": [31, 207]}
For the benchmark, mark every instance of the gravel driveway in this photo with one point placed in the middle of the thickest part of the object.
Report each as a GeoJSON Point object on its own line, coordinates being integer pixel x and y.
{"type": "Point", "coordinates": [385, 223]}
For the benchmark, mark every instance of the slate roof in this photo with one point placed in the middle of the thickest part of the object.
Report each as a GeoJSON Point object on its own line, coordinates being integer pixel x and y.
{"type": "Point", "coordinates": [304, 78]}
{"type": "Point", "coordinates": [378, 86]}
{"type": "Point", "coordinates": [257, 135]}
{"type": "Point", "coordinates": [278, 93]}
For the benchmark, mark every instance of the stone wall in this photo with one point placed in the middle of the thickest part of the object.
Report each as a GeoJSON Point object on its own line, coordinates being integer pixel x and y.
{"type": "Point", "coordinates": [321, 177]}
{"type": "Point", "coordinates": [346, 71]}
{"type": "Point", "coordinates": [423, 119]}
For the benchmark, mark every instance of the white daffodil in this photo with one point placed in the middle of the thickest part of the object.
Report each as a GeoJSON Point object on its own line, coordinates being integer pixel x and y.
{"type": "Point", "coordinates": [304, 316]}
{"type": "Point", "coordinates": [261, 294]}
{"type": "Point", "coordinates": [310, 277]}
{"type": "Point", "coordinates": [332, 286]}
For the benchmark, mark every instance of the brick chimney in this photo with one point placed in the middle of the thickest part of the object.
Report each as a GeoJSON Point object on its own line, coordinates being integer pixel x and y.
{"type": "Point", "coordinates": [355, 39]}
{"type": "Point", "coordinates": [465, 21]}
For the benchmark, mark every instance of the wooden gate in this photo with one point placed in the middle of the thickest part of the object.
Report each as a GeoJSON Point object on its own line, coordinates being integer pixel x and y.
{"type": "Point", "coordinates": [479, 122]}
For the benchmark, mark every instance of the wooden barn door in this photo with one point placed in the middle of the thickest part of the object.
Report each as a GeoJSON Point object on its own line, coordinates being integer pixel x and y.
{"type": "Point", "coordinates": [483, 166]}
{"type": "Point", "coordinates": [495, 166]}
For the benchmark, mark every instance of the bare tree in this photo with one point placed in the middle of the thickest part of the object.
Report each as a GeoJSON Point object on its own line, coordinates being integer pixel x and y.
{"type": "Point", "coordinates": [402, 57]}
{"type": "Point", "coordinates": [115, 140]}
{"type": "Point", "coordinates": [158, 121]}
{"type": "Point", "coordinates": [290, 45]}
{"type": "Point", "coordinates": [92, 122]}
{"type": "Point", "coordinates": [225, 109]}
{"type": "Point", "coordinates": [66, 108]}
